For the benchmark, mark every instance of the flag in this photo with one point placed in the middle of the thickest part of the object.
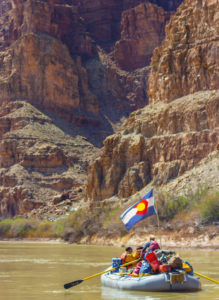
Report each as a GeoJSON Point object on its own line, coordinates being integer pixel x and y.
{"type": "Point", "coordinates": [142, 209]}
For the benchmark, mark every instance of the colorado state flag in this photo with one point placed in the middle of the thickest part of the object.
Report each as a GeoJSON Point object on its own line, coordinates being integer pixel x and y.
{"type": "Point", "coordinates": [142, 209]}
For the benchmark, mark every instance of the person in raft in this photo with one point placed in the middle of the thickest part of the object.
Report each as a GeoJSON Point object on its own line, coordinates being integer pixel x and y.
{"type": "Point", "coordinates": [127, 256]}
{"type": "Point", "coordinates": [151, 245]}
{"type": "Point", "coordinates": [138, 254]}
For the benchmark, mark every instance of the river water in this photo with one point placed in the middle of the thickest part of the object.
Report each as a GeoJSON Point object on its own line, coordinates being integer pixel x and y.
{"type": "Point", "coordinates": [38, 271]}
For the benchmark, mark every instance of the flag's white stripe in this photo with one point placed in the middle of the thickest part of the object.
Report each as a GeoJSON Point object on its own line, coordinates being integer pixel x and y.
{"type": "Point", "coordinates": [129, 215]}
{"type": "Point", "coordinates": [150, 201]}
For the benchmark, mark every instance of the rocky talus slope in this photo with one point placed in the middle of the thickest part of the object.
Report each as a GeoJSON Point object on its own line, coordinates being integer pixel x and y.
{"type": "Point", "coordinates": [41, 164]}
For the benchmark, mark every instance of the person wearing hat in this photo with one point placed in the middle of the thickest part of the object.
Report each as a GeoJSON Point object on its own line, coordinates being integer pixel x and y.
{"type": "Point", "coordinates": [152, 244]}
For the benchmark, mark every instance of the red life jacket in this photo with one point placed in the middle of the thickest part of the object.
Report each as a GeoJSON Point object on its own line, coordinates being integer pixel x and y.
{"type": "Point", "coordinates": [164, 268]}
{"type": "Point", "coordinates": [153, 261]}
{"type": "Point", "coordinates": [123, 257]}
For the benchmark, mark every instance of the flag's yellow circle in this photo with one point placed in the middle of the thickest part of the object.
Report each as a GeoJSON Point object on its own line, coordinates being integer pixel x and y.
{"type": "Point", "coordinates": [141, 206]}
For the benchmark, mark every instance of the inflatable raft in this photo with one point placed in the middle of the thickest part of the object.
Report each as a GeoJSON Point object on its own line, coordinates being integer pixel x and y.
{"type": "Point", "coordinates": [154, 283]}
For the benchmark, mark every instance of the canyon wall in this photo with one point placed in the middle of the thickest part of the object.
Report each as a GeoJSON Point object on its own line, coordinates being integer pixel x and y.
{"type": "Point", "coordinates": [157, 143]}
{"type": "Point", "coordinates": [142, 29]}
{"type": "Point", "coordinates": [52, 56]}
{"type": "Point", "coordinates": [188, 59]}
{"type": "Point", "coordinates": [103, 18]}
{"type": "Point", "coordinates": [65, 86]}
{"type": "Point", "coordinates": [180, 127]}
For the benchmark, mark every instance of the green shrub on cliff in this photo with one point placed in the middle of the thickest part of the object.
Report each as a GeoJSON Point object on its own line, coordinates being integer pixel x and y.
{"type": "Point", "coordinates": [5, 226]}
{"type": "Point", "coordinates": [210, 208]}
{"type": "Point", "coordinates": [20, 227]}
{"type": "Point", "coordinates": [17, 228]}
{"type": "Point", "coordinates": [169, 204]}
{"type": "Point", "coordinates": [26, 228]}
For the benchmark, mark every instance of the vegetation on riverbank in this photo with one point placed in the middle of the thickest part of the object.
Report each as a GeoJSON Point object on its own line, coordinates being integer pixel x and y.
{"type": "Point", "coordinates": [203, 201]}
{"type": "Point", "coordinates": [104, 221]}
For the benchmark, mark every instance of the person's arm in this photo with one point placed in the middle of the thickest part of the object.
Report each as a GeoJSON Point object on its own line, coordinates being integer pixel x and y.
{"type": "Point", "coordinates": [146, 246]}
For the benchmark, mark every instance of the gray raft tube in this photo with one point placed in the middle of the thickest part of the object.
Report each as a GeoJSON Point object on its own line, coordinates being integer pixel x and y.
{"type": "Point", "coordinates": [153, 283]}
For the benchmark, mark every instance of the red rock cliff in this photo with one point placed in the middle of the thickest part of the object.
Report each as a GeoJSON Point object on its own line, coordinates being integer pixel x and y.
{"type": "Point", "coordinates": [55, 58]}
{"type": "Point", "coordinates": [157, 143]}
{"type": "Point", "coordinates": [142, 29]}
{"type": "Point", "coordinates": [188, 59]}
{"type": "Point", "coordinates": [163, 140]}
{"type": "Point", "coordinates": [34, 67]}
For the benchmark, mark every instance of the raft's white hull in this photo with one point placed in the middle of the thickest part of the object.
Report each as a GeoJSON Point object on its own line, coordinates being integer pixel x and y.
{"type": "Point", "coordinates": [156, 283]}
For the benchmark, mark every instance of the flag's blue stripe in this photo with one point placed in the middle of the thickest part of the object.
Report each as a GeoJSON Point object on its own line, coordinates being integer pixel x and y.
{"type": "Point", "coordinates": [151, 211]}
{"type": "Point", "coordinates": [148, 195]}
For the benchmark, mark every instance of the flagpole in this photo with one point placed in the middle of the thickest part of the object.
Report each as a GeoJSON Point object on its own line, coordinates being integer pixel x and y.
{"type": "Point", "coordinates": [158, 221]}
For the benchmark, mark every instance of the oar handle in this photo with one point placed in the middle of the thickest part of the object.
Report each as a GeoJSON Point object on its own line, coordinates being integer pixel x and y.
{"type": "Point", "coordinates": [109, 270]}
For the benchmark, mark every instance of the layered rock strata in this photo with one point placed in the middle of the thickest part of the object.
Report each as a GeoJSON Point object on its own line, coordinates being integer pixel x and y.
{"type": "Point", "coordinates": [44, 35]}
{"type": "Point", "coordinates": [51, 59]}
{"type": "Point", "coordinates": [41, 70]}
{"type": "Point", "coordinates": [142, 29]}
{"type": "Point", "coordinates": [40, 163]}
{"type": "Point", "coordinates": [38, 66]}
{"type": "Point", "coordinates": [172, 134]}
{"type": "Point", "coordinates": [103, 18]}
{"type": "Point", "coordinates": [157, 143]}
{"type": "Point", "coordinates": [188, 59]}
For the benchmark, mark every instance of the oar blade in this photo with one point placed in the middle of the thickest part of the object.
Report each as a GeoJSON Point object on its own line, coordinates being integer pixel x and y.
{"type": "Point", "coordinates": [71, 284]}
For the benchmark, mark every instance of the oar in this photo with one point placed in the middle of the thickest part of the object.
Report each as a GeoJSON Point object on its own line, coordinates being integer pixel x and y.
{"type": "Point", "coordinates": [201, 275]}
{"type": "Point", "coordinates": [73, 283]}
{"type": "Point", "coordinates": [206, 277]}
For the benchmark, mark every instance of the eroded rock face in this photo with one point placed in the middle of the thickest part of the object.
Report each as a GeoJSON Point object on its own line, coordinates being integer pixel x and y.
{"type": "Point", "coordinates": [103, 18]}
{"type": "Point", "coordinates": [5, 23]}
{"type": "Point", "coordinates": [156, 143]}
{"type": "Point", "coordinates": [52, 58]}
{"type": "Point", "coordinates": [41, 70]}
{"type": "Point", "coordinates": [40, 164]}
{"type": "Point", "coordinates": [55, 18]}
{"type": "Point", "coordinates": [188, 59]}
{"type": "Point", "coordinates": [142, 29]}
{"type": "Point", "coordinates": [38, 65]}
{"type": "Point", "coordinates": [162, 141]}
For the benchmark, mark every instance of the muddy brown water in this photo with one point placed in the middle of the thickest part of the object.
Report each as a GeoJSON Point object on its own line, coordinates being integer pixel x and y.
{"type": "Point", "coordinates": [38, 271]}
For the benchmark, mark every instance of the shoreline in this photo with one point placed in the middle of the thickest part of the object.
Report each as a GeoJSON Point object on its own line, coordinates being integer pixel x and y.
{"type": "Point", "coordinates": [185, 238]}
{"type": "Point", "coordinates": [171, 245]}
{"type": "Point", "coordinates": [36, 241]}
